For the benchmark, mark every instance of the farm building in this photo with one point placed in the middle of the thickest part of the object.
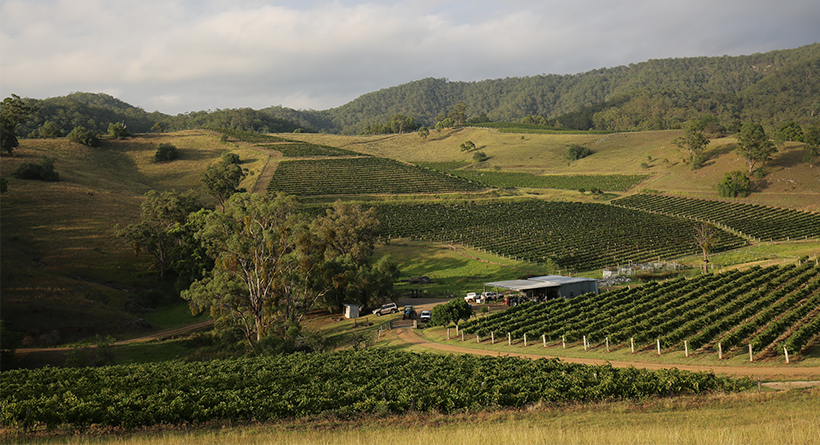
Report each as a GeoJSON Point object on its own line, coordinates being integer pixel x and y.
{"type": "Point", "coordinates": [548, 286]}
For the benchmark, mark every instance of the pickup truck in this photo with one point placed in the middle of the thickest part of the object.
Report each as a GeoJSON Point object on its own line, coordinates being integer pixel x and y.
{"type": "Point", "coordinates": [471, 297]}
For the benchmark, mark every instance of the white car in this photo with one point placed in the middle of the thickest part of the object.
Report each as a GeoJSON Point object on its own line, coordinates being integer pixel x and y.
{"type": "Point", "coordinates": [470, 297]}
{"type": "Point", "coordinates": [425, 316]}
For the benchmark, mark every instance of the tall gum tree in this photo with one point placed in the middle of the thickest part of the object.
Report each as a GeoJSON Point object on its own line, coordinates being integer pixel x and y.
{"type": "Point", "coordinates": [267, 265]}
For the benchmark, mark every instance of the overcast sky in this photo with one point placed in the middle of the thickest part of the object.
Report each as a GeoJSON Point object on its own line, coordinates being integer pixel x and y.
{"type": "Point", "coordinates": [177, 56]}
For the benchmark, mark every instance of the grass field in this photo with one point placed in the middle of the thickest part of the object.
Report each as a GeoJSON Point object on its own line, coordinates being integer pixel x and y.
{"type": "Point", "coordinates": [63, 268]}
{"type": "Point", "coordinates": [789, 182]}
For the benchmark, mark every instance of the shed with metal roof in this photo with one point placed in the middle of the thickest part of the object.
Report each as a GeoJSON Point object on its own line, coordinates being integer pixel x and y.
{"type": "Point", "coordinates": [548, 286]}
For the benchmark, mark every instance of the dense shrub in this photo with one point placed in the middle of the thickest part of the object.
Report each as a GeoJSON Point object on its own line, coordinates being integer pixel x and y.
{"type": "Point", "coordinates": [230, 158]}
{"type": "Point", "coordinates": [43, 171]}
{"type": "Point", "coordinates": [734, 184]}
{"type": "Point", "coordinates": [82, 135]}
{"type": "Point", "coordinates": [166, 152]}
{"type": "Point", "coordinates": [577, 151]}
{"type": "Point", "coordinates": [117, 130]}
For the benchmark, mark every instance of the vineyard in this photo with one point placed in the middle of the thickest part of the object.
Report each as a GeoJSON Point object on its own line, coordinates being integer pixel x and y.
{"type": "Point", "coordinates": [299, 149]}
{"type": "Point", "coordinates": [574, 235]}
{"type": "Point", "coordinates": [569, 182]}
{"type": "Point", "coordinates": [768, 308]}
{"type": "Point", "coordinates": [341, 383]}
{"type": "Point", "coordinates": [759, 222]}
{"type": "Point", "coordinates": [362, 175]}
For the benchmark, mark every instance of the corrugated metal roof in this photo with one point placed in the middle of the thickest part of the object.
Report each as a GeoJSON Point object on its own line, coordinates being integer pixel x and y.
{"type": "Point", "coordinates": [538, 282]}
{"type": "Point", "coordinates": [521, 284]}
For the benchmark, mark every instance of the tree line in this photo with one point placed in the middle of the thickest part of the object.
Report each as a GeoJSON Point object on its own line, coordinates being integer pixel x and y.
{"type": "Point", "coordinates": [260, 263]}
{"type": "Point", "coordinates": [770, 88]}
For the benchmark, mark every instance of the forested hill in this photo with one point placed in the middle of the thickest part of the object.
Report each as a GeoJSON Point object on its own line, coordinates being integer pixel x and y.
{"type": "Point", "coordinates": [771, 88]}
{"type": "Point", "coordinates": [95, 111]}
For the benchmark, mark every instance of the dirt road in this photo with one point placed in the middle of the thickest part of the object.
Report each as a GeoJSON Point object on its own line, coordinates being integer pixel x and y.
{"type": "Point", "coordinates": [812, 375]}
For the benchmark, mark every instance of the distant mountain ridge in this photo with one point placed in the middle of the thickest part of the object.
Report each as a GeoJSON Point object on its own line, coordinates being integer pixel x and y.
{"type": "Point", "coordinates": [771, 88]}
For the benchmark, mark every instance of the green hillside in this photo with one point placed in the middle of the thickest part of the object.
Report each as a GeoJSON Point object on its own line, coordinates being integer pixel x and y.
{"type": "Point", "coordinates": [65, 275]}
{"type": "Point", "coordinates": [771, 87]}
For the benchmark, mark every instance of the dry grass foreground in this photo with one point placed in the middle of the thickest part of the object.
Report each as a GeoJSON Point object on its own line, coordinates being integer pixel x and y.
{"type": "Point", "coordinates": [750, 419]}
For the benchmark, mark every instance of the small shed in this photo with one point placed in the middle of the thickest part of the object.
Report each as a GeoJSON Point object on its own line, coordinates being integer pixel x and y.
{"type": "Point", "coordinates": [351, 311]}
{"type": "Point", "coordinates": [549, 286]}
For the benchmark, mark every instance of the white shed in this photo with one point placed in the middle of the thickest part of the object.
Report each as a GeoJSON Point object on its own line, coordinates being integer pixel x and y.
{"type": "Point", "coordinates": [351, 310]}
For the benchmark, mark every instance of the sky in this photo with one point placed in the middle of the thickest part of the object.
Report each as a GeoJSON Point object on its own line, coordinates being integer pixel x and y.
{"type": "Point", "coordinates": [177, 56]}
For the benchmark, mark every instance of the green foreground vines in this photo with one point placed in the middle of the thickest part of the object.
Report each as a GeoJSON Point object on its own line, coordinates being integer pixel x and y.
{"type": "Point", "coordinates": [343, 383]}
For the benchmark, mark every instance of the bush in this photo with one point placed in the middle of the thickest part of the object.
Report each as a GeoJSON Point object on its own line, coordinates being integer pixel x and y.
{"type": "Point", "coordinates": [734, 184]}
{"type": "Point", "coordinates": [230, 158]}
{"type": "Point", "coordinates": [451, 312]}
{"type": "Point", "coordinates": [166, 152]}
{"type": "Point", "coordinates": [577, 151]}
{"type": "Point", "coordinates": [82, 135]}
{"type": "Point", "coordinates": [117, 130]}
{"type": "Point", "coordinates": [43, 171]}
{"type": "Point", "coordinates": [480, 156]}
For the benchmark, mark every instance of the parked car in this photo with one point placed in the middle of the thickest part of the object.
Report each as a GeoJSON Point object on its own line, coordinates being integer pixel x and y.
{"type": "Point", "coordinates": [470, 297]}
{"type": "Point", "coordinates": [409, 312]}
{"type": "Point", "coordinates": [389, 308]}
{"type": "Point", "coordinates": [489, 296]}
{"type": "Point", "coordinates": [425, 316]}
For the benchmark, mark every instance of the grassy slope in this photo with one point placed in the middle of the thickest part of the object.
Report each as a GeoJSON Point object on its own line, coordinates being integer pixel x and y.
{"type": "Point", "coordinates": [59, 249]}
{"type": "Point", "coordinates": [789, 183]}
{"type": "Point", "coordinates": [63, 268]}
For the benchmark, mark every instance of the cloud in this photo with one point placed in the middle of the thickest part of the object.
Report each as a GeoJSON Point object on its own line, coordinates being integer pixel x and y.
{"type": "Point", "coordinates": [182, 56]}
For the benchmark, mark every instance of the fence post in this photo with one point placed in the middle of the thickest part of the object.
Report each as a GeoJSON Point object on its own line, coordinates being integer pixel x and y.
{"type": "Point", "coordinates": [585, 343]}
{"type": "Point", "coordinates": [448, 333]}
{"type": "Point", "coordinates": [659, 346]}
{"type": "Point", "coordinates": [607, 344]}
{"type": "Point", "coordinates": [462, 335]}
{"type": "Point", "coordinates": [492, 337]}
{"type": "Point", "coordinates": [564, 341]}
{"type": "Point", "coordinates": [751, 358]}
{"type": "Point", "coordinates": [632, 343]}
{"type": "Point", "coordinates": [509, 338]}
{"type": "Point", "coordinates": [525, 340]}
{"type": "Point", "coordinates": [686, 347]}
{"type": "Point", "coordinates": [478, 338]}
{"type": "Point", "coordinates": [786, 351]}
{"type": "Point", "coordinates": [456, 329]}
{"type": "Point", "coordinates": [720, 352]}
{"type": "Point", "coordinates": [544, 339]}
